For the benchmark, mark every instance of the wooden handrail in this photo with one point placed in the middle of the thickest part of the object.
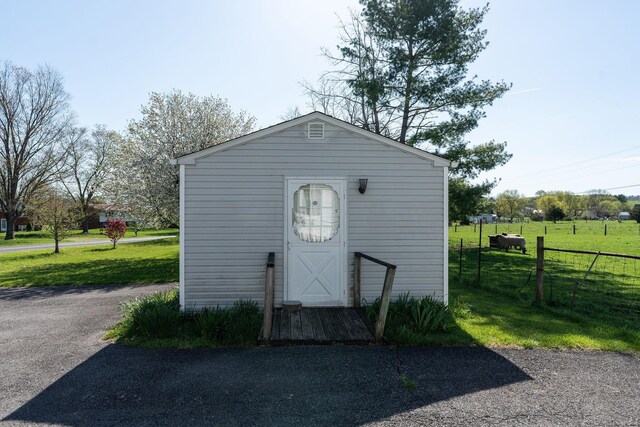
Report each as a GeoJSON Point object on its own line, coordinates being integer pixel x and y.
{"type": "Point", "coordinates": [376, 260]}
{"type": "Point", "coordinates": [385, 298]}
{"type": "Point", "coordinates": [268, 297]}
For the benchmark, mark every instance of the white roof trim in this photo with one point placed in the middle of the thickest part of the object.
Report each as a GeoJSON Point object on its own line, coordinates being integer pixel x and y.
{"type": "Point", "coordinates": [190, 159]}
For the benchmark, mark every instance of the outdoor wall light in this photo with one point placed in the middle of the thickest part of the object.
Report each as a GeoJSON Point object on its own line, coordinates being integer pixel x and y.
{"type": "Point", "coordinates": [363, 185]}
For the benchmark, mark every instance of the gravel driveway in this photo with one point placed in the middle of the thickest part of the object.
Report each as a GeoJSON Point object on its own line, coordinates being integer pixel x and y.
{"type": "Point", "coordinates": [55, 370]}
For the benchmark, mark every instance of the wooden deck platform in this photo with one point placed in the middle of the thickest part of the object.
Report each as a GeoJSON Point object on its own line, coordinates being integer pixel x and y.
{"type": "Point", "coordinates": [321, 326]}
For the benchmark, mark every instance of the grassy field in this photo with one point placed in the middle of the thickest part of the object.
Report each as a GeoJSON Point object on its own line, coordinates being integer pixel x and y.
{"type": "Point", "coordinates": [146, 262]}
{"type": "Point", "coordinates": [498, 319]}
{"type": "Point", "coordinates": [39, 237]}
{"type": "Point", "coordinates": [606, 300]}
{"type": "Point", "coordinates": [622, 237]}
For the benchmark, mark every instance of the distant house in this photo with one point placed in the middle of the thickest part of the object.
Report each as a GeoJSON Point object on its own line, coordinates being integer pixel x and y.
{"type": "Point", "coordinates": [485, 218]}
{"type": "Point", "coordinates": [624, 216]}
{"type": "Point", "coordinates": [22, 224]}
{"type": "Point", "coordinates": [99, 213]}
{"type": "Point", "coordinates": [590, 215]}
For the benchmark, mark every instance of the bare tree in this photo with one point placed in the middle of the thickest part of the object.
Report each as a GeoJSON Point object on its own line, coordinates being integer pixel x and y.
{"type": "Point", "coordinates": [292, 113]}
{"type": "Point", "coordinates": [58, 215]}
{"type": "Point", "coordinates": [84, 171]}
{"type": "Point", "coordinates": [34, 115]}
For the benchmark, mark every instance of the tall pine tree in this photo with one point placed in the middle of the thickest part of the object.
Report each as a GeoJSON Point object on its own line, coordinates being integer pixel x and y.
{"type": "Point", "coordinates": [402, 71]}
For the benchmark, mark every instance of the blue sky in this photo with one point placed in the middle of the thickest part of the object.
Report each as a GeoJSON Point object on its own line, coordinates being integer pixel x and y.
{"type": "Point", "coordinates": [570, 119]}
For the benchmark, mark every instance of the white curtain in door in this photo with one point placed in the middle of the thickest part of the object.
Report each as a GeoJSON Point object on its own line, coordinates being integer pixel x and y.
{"type": "Point", "coordinates": [316, 213]}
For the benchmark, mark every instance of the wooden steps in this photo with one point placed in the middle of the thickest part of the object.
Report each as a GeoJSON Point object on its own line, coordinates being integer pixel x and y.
{"type": "Point", "coordinates": [321, 326]}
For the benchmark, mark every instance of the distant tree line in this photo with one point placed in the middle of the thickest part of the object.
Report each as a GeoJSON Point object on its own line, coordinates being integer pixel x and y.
{"type": "Point", "coordinates": [560, 205]}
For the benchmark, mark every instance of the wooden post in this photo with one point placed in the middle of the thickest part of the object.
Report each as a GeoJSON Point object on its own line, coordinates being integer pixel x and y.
{"type": "Point", "coordinates": [545, 230]}
{"type": "Point", "coordinates": [268, 298]}
{"type": "Point", "coordinates": [605, 229]}
{"type": "Point", "coordinates": [521, 230]}
{"type": "Point", "coordinates": [479, 254]}
{"type": "Point", "coordinates": [384, 302]}
{"type": "Point", "coordinates": [540, 270]}
{"type": "Point", "coordinates": [496, 228]}
{"type": "Point", "coordinates": [474, 228]}
{"type": "Point", "coordinates": [574, 229]}
{"type": "Point", "coordinates": [357, 262]}
{"type": "Point", "coordinates": [460, 267]}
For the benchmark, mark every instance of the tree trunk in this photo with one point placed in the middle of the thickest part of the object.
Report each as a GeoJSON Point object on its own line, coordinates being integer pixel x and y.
{"type": "Point", "coordinates": [85, 225]}
{"type": "Point", "coordinates": [11, 220]}
{"type": "Point", "coordinates": [57, 247]}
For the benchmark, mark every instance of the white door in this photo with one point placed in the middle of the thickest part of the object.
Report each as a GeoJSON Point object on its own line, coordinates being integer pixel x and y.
{"type": "Point", "coordinates": [316, 241]}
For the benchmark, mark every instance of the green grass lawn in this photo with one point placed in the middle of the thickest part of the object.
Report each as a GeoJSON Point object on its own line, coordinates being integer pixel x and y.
{"type": "Point", "coordinates": [145, 262]}
{"type": "Point", "coordinates": [496, 319]}
{"type": "Point", "coordinates": [23, 238]}
{"type": "Point", "coordinates": [611, 290]}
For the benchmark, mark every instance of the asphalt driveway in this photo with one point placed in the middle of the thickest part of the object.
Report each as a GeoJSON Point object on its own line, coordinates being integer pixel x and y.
{"type": "Point", "coordinates": [55, 370]}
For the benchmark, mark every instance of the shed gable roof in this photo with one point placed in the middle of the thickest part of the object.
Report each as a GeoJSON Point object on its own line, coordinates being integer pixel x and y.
{"type": "Point", "coordinates": [190, 159]}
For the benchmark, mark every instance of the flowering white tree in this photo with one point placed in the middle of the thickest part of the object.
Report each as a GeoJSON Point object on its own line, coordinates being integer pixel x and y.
{"type": "Point", "coordinates": [172, 124]}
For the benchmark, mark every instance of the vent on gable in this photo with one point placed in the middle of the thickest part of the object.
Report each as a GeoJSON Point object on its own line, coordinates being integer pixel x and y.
{"type": "Point", "coordinates": [315, 130]}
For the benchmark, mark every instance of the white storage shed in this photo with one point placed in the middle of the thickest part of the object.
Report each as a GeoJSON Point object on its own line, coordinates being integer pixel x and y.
{"type": "Point", "coordinates": [313, 190]}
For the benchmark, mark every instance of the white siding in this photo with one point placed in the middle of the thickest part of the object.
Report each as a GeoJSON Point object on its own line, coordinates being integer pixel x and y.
{"type": "Point", "coordinates": [234, 214]}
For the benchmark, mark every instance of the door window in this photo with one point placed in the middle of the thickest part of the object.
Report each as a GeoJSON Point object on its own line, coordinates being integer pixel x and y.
{"type": "Point", "coordinates": [316, 213]}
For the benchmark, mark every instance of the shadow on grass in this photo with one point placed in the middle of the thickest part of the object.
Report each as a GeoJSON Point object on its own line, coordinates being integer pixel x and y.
{"type": "Point", "coordinates": [95, 272]}
{"type": "Point", "coordinates": [107, 249]}
{"type": "Point", "coordinates": [329, 385]}
{"type": "Point", "coordinates": [503, 317]}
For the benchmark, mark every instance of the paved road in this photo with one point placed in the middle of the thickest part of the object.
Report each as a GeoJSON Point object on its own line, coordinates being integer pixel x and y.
{"type": "Point", "coordinates": [104, 241]}
{"type": "Point", "coordinates": [55, 370]}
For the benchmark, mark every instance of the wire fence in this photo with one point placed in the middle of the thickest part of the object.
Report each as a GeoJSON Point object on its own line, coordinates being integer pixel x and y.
{"type": "Point", "coordinates": [591, 283]}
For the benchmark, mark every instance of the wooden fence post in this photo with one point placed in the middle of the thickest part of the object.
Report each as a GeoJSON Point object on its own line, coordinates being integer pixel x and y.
{"type": "Point", "coordinates": [605, 229]}
{"type": "Point", "coordinates": [268, 298]}
{"type": "Point", "coordinates": [574, 229]}
{"type": "Point", "coordinates": [357, 262]}
{"type": "Point", "coordinates": [540, 270]}
{"type": "Point", "coordinates": [460, 267]}
{"type": "Point", "coordinates": [384, 302]}
{"type": "Point", "coordinates": [479, 253]}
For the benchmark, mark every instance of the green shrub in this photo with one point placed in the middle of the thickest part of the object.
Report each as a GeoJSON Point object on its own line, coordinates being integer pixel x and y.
{"type": "Point", "coordinates": [156, 321]}
{"type": "Point", "coordinates": [409, 317]}
{"type": "Point", "coordinates": [212, 324]}
{"type": "Point", "coordinates": [239, 324]}
{"type": "Point", "coordinates": [428, 315]}
{"type": "Point", "coordinates": [153, 316]}
{"type": "Point", "coordinates": [245, 322]}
